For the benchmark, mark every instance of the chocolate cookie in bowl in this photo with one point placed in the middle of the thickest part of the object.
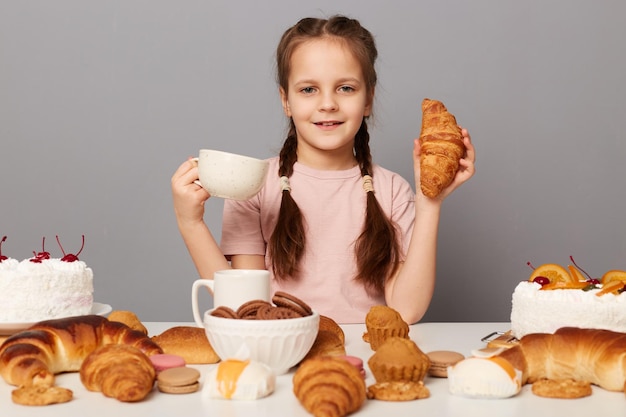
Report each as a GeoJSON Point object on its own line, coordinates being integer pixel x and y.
{"type": "Point", "coordinates": [278, 336]}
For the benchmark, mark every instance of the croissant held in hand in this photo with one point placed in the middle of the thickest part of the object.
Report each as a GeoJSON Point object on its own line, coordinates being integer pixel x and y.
{"type": "Point", "coordinates": [122, 372]}
{"type": "Point", "coordinates": [441, 145]}
{"type": "Point", "coordinates": [35, 355]}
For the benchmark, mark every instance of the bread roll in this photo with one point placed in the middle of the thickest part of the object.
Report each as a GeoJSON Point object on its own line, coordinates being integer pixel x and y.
{"type": "Point", "coordinates": [189, 342]}
{"type": "Point", "coordinates": [592, 355]}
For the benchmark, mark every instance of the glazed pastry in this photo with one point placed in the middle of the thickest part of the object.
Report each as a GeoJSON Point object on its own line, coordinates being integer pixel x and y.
{"type": "Point", "coordinates": [329, 386]}
{"type": "Point", "coordinates": [383, 322]}
{"type": "Point", "coordinates": [480, 377]}
{"type": "Point", "coordinates": [441, 144]}
{"type": "Point", "coordinates": [35, 355]}
{"type": "Point", "coordinates": [235, 379]}
{"type": "Point", "coordinates": [122, 372]}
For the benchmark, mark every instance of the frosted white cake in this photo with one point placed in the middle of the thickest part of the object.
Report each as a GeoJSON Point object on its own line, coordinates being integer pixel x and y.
{"type": "Point", "coordinates": [544, 311]}
{"type": "Point", "coordinates": [52, 288]}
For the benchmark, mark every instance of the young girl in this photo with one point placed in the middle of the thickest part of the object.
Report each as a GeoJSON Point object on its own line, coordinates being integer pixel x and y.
{"type": "Point", "coordinates": [334, 229]}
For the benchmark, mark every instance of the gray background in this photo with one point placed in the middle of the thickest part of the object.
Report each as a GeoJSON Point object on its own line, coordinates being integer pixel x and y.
{"type": "Point", "coordinates": [101, 101]}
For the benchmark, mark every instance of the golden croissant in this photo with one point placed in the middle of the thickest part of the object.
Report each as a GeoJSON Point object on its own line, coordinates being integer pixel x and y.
{"type": "Point", "coordinates": [35, 355]}
{"type": "Point", "coordinates": [122, 372]}
{"type": "Point", "coordinates": [441, 145]}
{"type": "Point", "coordinates": [329, 386]}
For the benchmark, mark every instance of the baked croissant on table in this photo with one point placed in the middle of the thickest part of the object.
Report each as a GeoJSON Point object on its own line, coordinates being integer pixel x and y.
{"type": "Point", "coordinates": [35, 355]}
{"type": "Point", "coordinates": [441, 144]}
{"type": "Point", "coordinates": [122, 372]}
{"type": "Point", "coordinates": [591, 355]}
{"type": "Point", "coordinates": [329, 386]}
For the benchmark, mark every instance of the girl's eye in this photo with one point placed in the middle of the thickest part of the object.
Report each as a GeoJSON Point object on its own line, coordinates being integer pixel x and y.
{"type": "Point", "coordinates": [307, 90]}
{"type": "Point", "coordinates": [346, 89]}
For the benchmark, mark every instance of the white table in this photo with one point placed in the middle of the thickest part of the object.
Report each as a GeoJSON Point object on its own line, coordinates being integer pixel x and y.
{"type": "Point", "coordinates": [461, 337]}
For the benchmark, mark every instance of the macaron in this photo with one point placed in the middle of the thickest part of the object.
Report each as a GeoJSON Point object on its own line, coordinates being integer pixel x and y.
{"type": "Point", "coordinates": [440, 360]}
{"type": "Point", "coordinates": [356, 362]}
{"type": "Point", "coordinates": [181, 380]}
{"type": "Point", "coordinates": [163, 361]}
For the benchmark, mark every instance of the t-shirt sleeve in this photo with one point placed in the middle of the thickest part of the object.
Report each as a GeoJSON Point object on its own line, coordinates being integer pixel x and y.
{"type": "Point", "coordinates": [241, 228]}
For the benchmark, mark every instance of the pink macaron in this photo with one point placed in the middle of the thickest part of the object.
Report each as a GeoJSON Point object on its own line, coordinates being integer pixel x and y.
{"type": "Point", "coordinates": [163, 361]}
{"type": "Point", "coordinates": [356, 362]}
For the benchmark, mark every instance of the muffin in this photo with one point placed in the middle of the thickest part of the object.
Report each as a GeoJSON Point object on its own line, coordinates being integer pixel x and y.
{"type": "Point", "coordinates": [399, 359]}
{"type": "Point", "coordinates": [383, 322]}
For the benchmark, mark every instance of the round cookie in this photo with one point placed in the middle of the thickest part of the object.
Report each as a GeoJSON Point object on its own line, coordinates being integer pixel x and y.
{"type": "Point", "coordinates": [398, 391]}
{"type": "Point", "coordinates": [440, 360]}
{"type": "Point", "coordinates": [283, 299]}
{"type": "Point", "coordinates": [181, 380]}
{"type": "Point", "coordinates": [248, 310]}
{"type": "Point", "coordinates": [561, 388]}
{"type": "Point", "coordinates": [278, 313]}
{"type": "Point", "coordinates": [224, 312]}
{"type": "Point", "coordinates": [41, 395]}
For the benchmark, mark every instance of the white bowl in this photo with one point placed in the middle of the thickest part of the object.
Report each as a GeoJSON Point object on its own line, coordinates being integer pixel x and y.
{"type": "Point", "coordinates": [229, 175]}
{"type": "Point", "coordinates": [280, 344]}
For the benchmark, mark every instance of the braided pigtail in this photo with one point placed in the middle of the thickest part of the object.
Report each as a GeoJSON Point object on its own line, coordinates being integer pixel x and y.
{"type": "Point", "coordinates": [286, 245]}
{"type": "Point", "coordinates": [377, 249]}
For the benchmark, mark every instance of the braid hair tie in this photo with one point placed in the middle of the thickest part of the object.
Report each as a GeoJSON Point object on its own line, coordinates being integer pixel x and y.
{"type": "Point", "coordinates": [367, 183]}
{"type": "Point", "coordinates": [284, 183]}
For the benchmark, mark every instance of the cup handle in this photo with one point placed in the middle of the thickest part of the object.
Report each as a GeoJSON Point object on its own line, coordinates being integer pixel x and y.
{"type": "Point", "coordinates": [196, 159]}
{"type": "Point", "coordinates": [197, 317]}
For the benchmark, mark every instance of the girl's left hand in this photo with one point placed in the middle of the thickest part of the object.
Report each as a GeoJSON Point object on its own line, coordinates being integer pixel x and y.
{"type": "Point", "coordinates": [465, 172]}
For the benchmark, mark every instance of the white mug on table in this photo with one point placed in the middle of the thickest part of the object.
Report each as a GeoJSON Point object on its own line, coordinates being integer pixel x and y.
{"type": "Point", "coordinates": [233, 287]}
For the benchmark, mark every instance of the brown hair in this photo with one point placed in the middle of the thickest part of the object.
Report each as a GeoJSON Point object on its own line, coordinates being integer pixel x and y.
{"type": "Point", "coordinates": [377, 248]}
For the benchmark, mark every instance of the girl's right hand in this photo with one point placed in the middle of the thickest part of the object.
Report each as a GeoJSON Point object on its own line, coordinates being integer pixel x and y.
{"type": "Point", "coordinates": [189, 197]}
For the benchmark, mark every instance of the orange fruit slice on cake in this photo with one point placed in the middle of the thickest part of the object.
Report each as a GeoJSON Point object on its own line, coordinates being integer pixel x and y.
{"type": "Point", "coordinates": [611, 287]}
{"type": "Point", "coordinates": [576, 274]}
{"type": "Point", "coordinates": [554, 272]}
{"type": "Point", "coordinates": [559, 285]}
{"type": "Point", "coordinates": [613, 275]}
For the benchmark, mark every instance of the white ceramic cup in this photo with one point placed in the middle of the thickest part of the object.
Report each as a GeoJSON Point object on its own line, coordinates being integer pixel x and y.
{"type": "Point", "coordinates": [232, 288]}
{"type": "Point", "coordinates": [228, 175]}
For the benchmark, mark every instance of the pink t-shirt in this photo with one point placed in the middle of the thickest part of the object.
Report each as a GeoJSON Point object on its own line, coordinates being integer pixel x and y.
{"type": "Point", "coordinates": [333, 206]}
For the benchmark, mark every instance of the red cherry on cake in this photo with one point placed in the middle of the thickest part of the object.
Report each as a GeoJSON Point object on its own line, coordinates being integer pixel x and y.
{"type": "Point", "coordinates": [2, 257]}
{"type": "Point", "coordinates": [593, 281]}
{"type": "Point", "coordinates": [541, 280]}
{"type": "Point", "coordinates": [70, 257]}
{"type": "Point", "coordinates": [41, 255]}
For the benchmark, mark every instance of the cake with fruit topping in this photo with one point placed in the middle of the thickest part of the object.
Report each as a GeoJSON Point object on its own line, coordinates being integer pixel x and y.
{"type": "Point", "coordinates": [555, 297]}
{"type": "Point", "coordinates": [42, 287]}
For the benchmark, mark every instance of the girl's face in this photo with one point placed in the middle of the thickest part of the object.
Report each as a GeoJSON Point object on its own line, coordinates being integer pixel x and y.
{"type": "Point", "coordinates": [327, 100]}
